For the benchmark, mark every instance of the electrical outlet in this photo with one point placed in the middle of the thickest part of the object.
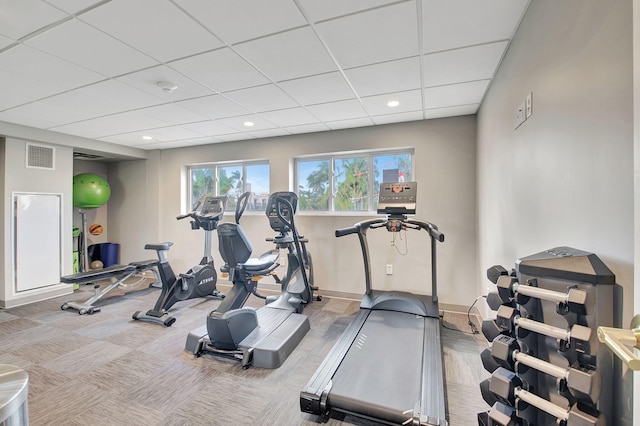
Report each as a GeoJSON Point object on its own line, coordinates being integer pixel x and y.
{"type": "Point", "coordinates": [389, 269]}
{"type": "Point", "coordinates": [519, 118]}
{"type": "Point", "coordinates": [528, 105]}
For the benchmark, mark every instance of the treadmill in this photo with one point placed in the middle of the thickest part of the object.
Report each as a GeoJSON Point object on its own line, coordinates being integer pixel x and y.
{"type": "Point", "coordinates": [387, 365]}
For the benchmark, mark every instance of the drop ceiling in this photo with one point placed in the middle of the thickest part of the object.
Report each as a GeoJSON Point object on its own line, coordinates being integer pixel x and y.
{"type": "Point", "coordinates": [91, 68]}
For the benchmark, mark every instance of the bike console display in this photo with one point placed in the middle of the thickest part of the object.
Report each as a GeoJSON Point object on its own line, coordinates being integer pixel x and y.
{"type": "Point", "coordinates": [397, 198]}
{"type": "Point", "coordinates": [212, 206]}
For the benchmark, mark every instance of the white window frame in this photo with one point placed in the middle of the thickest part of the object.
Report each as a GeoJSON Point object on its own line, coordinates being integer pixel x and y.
{"type": "Point", "coordinates": [243, 164]}
{"type": "Point", "coordinates": [331, 157]}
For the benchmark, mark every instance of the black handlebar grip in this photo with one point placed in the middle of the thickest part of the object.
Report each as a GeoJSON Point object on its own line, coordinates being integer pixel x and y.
{"type": "Point", "coordinates": [183, 216]}
{"type": "Point", "coordinates": [437, 234]}
{"type": "Point", "coordinates": [346, 231]}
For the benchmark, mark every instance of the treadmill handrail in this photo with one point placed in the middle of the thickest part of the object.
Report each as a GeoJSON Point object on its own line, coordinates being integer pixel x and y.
{"type": "Point", "coordinates": [361, 229]}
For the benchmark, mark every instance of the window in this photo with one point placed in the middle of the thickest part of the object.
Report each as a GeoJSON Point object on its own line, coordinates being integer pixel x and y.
{"type": "Point", "coordinates": [232, 180]}
{"type": "Point", "coordinates": [349, 182]}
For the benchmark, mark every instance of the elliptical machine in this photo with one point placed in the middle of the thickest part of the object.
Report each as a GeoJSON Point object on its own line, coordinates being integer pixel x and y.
{"type": "Point", "coordinates": [294, 244]}
{"type": "Point", "coordinates": [200, 280]}
{"type": "Point", "coordinates": [264, 337]}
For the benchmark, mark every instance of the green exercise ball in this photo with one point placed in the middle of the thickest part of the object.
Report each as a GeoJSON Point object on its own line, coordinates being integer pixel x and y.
{"type": "Point", "coordinates": [90, 191]}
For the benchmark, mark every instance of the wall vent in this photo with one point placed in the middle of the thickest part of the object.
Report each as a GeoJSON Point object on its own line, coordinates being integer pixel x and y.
{"type": "Point", "coordinates": [86, 156]}
{"type": "Point", "coordinates": [40, 157]}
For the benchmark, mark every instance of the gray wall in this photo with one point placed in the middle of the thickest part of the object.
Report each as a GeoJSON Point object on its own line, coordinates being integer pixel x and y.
{"type": "Point", "coordinates": [565, 177]}
{"type": "Point", "coordinates": [17, 177]}
{"type": "Point", "coordinates": [444, 167]}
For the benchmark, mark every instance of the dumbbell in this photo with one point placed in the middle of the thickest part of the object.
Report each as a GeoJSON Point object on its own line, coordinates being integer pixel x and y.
{"type": "Point", "coordinates": [574, 300]}
{"type": "Point", "coordinates": [508, 389]}
{"type": "Point", "coordinates": [582, 339]}
{"type": "Point", "coordinates": [581, 380]}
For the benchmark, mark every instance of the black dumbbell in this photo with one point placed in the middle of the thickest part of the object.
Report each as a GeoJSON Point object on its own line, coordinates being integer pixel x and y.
{"type": "Point", "coordinates": [496, 272]}
{"type": "Point", "coordinates": [488, 361]}
{"type": "Point", "coordinates": [581, 380]}
{"type": "Point", "coordinates": [583, 339]}
{"type": "Point", "coordinates": [491, 330]}
{"type": "Point", "coordinates": [502, 415]}
{"type": "Point", "coordinates": [494, 301]}
{"type": "Point", "coordinates": [508, 389]}
{"type": "Point", "coordinates": [574, 300]}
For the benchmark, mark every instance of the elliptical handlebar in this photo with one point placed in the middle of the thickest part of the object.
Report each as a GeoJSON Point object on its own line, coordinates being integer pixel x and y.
{"type": "Point", "coordinates": [241, 205]}
{"type": "Point", "coordinates": [290, 223]}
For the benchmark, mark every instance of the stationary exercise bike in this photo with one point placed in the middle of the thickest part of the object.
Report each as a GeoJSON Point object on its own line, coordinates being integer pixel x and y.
{"type": "Point", "coordinates": [199, 281]}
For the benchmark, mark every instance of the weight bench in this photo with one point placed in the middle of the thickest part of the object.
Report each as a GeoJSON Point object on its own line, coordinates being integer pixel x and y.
{"type": "Point", "coordinates": [116, 273]}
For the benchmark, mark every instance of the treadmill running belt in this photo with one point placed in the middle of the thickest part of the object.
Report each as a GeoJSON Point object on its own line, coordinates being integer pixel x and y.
{"type": "Point", "coordinates": [380, 377]}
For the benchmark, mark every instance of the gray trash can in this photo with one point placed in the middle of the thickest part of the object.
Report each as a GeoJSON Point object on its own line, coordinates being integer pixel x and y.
{"type": "Point", "coordinates": [14, 390]}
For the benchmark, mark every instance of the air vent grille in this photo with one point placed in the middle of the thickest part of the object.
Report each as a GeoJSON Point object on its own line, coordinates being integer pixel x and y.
{"type": "Point", "coordinates": [85, 156]}
{"type": "Point", "coordinates": [40, 157]}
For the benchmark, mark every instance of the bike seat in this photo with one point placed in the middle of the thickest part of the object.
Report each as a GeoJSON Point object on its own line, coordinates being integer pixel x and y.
{"type": "Point", "coordinates": [159, 246]}
{"type": "Point", "coordinates": [265, 261]}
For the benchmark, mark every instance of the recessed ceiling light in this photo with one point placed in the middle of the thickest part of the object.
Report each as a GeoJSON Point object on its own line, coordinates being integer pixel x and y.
{"type": "Point", "coordinates": [249, 123]}
{"type": "Point", "coordinates": [393, 104]}
{"type": "Point", "coordinates": [147, 138]}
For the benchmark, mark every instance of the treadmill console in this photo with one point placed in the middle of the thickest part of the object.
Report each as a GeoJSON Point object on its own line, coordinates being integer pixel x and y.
{"type": "Point", "coordinates": [397, 198]}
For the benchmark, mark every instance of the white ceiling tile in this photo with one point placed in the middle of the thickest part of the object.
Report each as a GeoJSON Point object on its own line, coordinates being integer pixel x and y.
{"type": "Point", "coordinates": [172, 114]}
{"type": "Point", "coordinates": [387, 77]}
{"type": "Point", "coordinates": [269, 133]}
{"type": "Point", "coordinates": [240, 20]}
{"type": "Point", "coordinates": [179, 144]}
{"type": "Point", "coordinates": [318, 89]}
{"type": "Point", "coordinates": [338, 110]}
{"type": "Point", "coordinates": [209, 128]}
{"type": "Point", "coordinates": [290, 117]}
{"type": "Point", "coordinates": [409, 101]}
{"type": "Point", "coordinates": [397, 118]}
{"type": "Point", "coordinates": [83, 45]}
{"type": "Point", "coordinates": [20, 18]}
{"type": "Point", "coordinates": [455, 94]}
{"type": "Point", "coordinates": [157, 28]}
{"type": "Point", "coordinates": [326, 9]}
{"type": "Point", "coordinates": [262, 98]}
{"type": "Point", "coordinates": [451, 111]}
{"type": "Point", "coordinates": [120, 96]}
{"type": "Point", "coordinates": [65, 108]}
{"type": "Point", "coordinates": [16, 90]}
{"type": "Point", "coordinates": [235, 137]}
{"type": "Point", "coordinates": [220, 70]}
{"type": "Point", "coordinates": [147, 80]}
{"type": "Point", "coordinates": [26, 119]}
{"type": "Point", "coordinates": [35, 65]}
{"type": "Point", "coordinates": [73, 6]}
{"type": "Point", "coordinates": [288, 55]}
{"type": "Point", "coordinates": [4, 42]}
{"type": "Point", "coordinates": [162, 134]}
{"type": "Point", "coordinates": [377, 35]}
{"type": "Point", "coordinates": [237, 123]}
{"type": "Point", "coordinates": [214, 106]}
{"type": "Point", "coordinates": [125, 122]}
{"type": "Point", "coordinates": [348, 124]}
{"type": "Point", "coordinates": [445, 27]}
{"type": "Point", "coordinates": [466, 64]}
{"type": "Point", "coordinates": [308, 128]}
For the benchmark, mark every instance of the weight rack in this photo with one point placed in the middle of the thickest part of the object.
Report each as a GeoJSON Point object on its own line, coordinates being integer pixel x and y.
{"type": "Point", "coordinates": [547, 364]}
